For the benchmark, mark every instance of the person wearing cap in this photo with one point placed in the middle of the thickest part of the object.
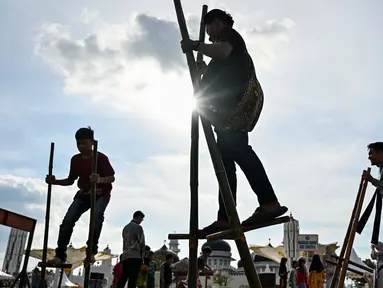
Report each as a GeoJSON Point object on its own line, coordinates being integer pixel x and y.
{"type": "Point", "coordinates": [202, 264]}
{"type": "Point", "coordinates": [133, 251]}
{"type": "Point", "coordinates": [231, 98]}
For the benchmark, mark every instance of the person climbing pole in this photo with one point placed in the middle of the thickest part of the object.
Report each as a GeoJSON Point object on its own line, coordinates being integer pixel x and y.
{"type": "Point", "coordinates": [81, 169]}
{"type": "Point", "coordinates": [375, 155]}
{"type": "Point", "coordinates": [231, 98]}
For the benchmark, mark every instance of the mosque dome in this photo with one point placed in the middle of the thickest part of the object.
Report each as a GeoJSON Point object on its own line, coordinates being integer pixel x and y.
{"type": "Point", "coordinates": [163, 251]}
{"type": "Point", "coordinates": [256, 259]}
{"type": "Point", "coordinates": [218, 245]}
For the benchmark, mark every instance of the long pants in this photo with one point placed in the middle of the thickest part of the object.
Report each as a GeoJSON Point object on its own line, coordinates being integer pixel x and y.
{"type": "Point", "coordinates": [78, 207]}
{"type": "Point", "coordinates": [130, 269]}
{"type": "Point", "coordinates": [151, 282]}
{"type": "Point", "coordinates": [234, 148]}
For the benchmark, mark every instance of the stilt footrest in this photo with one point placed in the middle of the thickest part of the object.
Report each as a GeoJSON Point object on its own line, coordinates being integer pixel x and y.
{"type": "Point", "coordinates": [227, 234]}
{"type": "Point", "coordinates": [62, 266]}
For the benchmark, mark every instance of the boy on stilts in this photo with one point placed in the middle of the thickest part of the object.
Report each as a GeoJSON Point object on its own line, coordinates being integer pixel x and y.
{"type": "Point", "coordinates": [81, 169]}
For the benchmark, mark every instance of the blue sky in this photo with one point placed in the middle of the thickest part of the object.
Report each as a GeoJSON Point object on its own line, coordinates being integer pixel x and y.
{"type": "Point", "coordinates": [118, 67]}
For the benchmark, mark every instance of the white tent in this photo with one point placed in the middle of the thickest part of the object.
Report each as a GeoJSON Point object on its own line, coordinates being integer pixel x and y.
{"type": "Point", "coordinates": [355, 258]}
{"type": "Point", "coordinates": [64, 283]}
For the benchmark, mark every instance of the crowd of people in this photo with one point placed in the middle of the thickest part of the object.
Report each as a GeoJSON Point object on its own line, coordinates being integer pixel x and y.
{"type": "Point", "coordinates": [301, 277]}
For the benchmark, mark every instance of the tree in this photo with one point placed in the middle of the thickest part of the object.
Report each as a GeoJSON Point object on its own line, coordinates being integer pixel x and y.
{"type": "Point", "coordinates": [221, 279]}
{"type": "Point", "coordinates": [360, 282]}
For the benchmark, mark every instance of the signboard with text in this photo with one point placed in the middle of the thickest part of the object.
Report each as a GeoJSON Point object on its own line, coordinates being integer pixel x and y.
{"type": "Point", "coordinates": [307, 242]}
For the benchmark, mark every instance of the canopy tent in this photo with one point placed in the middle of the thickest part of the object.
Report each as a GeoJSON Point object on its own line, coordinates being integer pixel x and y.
{"type": "Point", "coordinates": [74, 256]}
{"type": "Point", "coordinates": [276, 254]}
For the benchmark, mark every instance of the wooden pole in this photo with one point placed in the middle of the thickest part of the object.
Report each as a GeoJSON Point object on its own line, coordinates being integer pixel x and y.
{"type": "Point", "coordinates": [335, 277]}
{"type": "Point", "coordinates": [350, 241]}
{"type": "Point", "coordinates": [47, 215]}
{"type": "Point", "coordinates": [24, 274]}
{"type": "Point", "coordinates": [193, 239]}
{"type": "Point", "coordinates": [219, 168]}
{"type": "Point", "coordinates": [91, 220]}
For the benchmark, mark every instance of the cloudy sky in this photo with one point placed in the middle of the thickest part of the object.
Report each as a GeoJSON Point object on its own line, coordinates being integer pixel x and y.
{"type": "Point", "coordinates": [118, 67]}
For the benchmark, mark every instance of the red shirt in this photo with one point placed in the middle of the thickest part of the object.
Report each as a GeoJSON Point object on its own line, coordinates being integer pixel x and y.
{"type": "Point", "coordinates": [117, 272]}
{"type": "Point", "coordinates": [81, 169]}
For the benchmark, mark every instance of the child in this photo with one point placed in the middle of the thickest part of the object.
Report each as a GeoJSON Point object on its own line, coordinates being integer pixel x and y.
{"type": "Point", "coordinates": [201, 264]}
{"type": "Point", "coordinates": [166, 275]}
{"type": "Point", "coordinates": [302, 273]}
{"type": "Point", "coordinates": [81, 169]}
{"type": "Point", "coordinates": [293, 275]}
{"type": "Point", "coordinates": [117, 271]}
{"type": "Point", "coordinates": [316, 273]}
{"type": "Point", "coordinates": [283, 273]}
{"type": "Point", "coordinates": [152, 270]}
{"type": "Point", "coordinates": [142, 279]}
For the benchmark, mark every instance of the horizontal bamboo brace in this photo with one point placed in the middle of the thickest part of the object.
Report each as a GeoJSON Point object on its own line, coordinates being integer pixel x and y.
{"type": "Point", "coordinates": [368, 269]}
{"type": "Point", "coordinates": [349, 269]}
{"type": "Point", "coordinates": [227, 235]}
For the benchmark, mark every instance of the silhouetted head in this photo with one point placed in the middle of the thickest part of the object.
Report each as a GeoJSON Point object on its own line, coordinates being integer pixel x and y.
{"type": "Point", "coordinates": [138, 217]}
{"type": "Point", "coordinates": [169, 258]}
{"type": "Point", "coordinates": [84, 138]}
{"type": "Point", "coordinates": [206, 251]}
{"type": "Point", "coordinates": [375, 153]}
{"type": "Point", "coordinates": [215, 20]}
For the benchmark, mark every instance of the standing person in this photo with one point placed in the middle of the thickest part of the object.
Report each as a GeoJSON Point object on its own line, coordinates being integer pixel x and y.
{"type": "Point", "coordinates": [36, 277]}
{"type": "Point", "coordinates": [133, 250]}
{"type": "Point", "coordinates": [117, 272]}
{"type": "Point", "coordinates": [302, 274]}
{"type": "Point", "coordinates": [152, 270]}
{"type": "Point", "coordinates": [329, 255]}
{"type": "Point", "coordinates": [166, 274]}
{"type": "Point", "coordinates": [377, 254]}
{"type": "Point", "coordinates": [81, 169]}
{"type": "Point", "coordinates": [316, 273]}
{"type": "Point", "coordinates": [293, 275]}
{"type": "Point", "coordinates": [231, 99]}
{"type": "Point", "coordinates": [283, 273]}
{"type": "Point", "coordinates": [142, 279]}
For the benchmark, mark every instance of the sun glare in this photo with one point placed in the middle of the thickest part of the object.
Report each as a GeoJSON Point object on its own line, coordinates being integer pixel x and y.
{"type": "Point", "coordinates": [170, 102]}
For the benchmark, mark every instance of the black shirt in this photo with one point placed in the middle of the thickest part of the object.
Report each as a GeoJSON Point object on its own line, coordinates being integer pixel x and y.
{"type": "Point", "coordinates": [225, 81]}
{"type": "Point", "coordinates": [166, 275]}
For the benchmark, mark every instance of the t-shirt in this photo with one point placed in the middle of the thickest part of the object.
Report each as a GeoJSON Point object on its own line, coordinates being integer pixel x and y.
{"type": "Point", "coordinates": [166, 275]}
{"type": "Point", "coordinates": [152, 269]}
{"type": "Point", "coordinates": [133, 241]}
{"type": "Point", "coordinates": [81, 169]}
{"type": "Point", "coordinates": [225, 81]}
{"type": "Point", "coordinates": [201, 262]}
{"type": "Point", "coordinates": [117, 272]}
